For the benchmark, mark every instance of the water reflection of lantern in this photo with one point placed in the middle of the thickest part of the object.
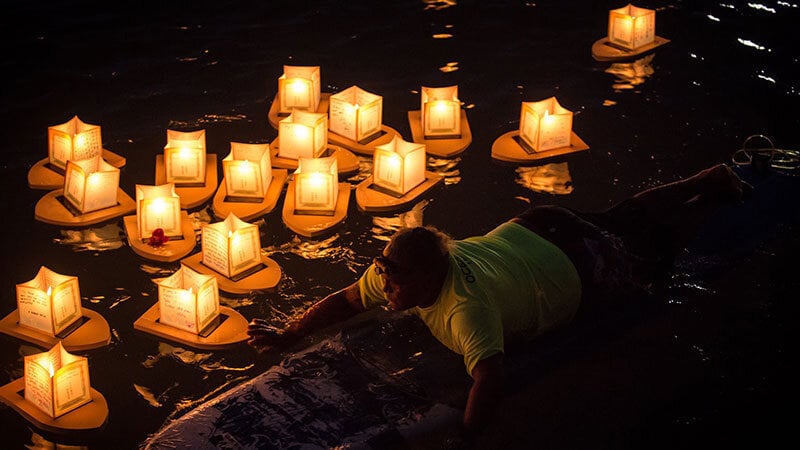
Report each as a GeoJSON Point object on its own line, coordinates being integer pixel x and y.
{"type": "Point", "coordinates": [356, 114]}
{"type": "Point", "coordinates": [188, 300]}
{"type": "Point", "coordinates": [231, 246]}
{"type": "Point", "coordinates": [91, 184]}
{"type": "Point", "coordinates": [316, 187]}
{"type": "Point", "coordinates": [399, 166]}
{"type": "Point", "coordinates": [441, 112]}
{"type": "Point", "coordinates": [247, 170]}
{"type": "Point", "coordinates": [73, 139]}
{"type": "Point", "coordinates": [545, 125]}
{"type": "Point", "coordinates": [299, 88]}
{"type": "Point", "coordinates": [302, 134]}
{"type": "Point", "coordinates": [158, 207]}
{"type": "Point", "coordinates": [57, 381]}
{"type": "Point", "coordinates": [185, 157]}
{"type": "Point", "coordinates": [631, 27]}
{"type": "Point", "coordinates": [50, 303]}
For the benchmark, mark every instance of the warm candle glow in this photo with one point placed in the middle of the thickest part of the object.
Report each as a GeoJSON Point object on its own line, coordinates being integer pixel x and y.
{"type": "Point", "coordinates": [303, 134]}
{"type": "Point", "coordinates": [231, 246]}
{"type": "Point", "coordinates": [299, 88]}
{"type": "Point", "coordinates": [248, 170]}
{"type": "Point", "coordinates": [399, 166]}
{"type": "Point", "coordinates": [73, 140]}
{"type": "Point", "coordinates": [158, 207]}
{"type": "Point", "coordinates": [91, 184]}
{"type": "Point", "coordinates": [50, 302]}
{"type": "Point", "coordinates": [631, 27]}
{"type": "Point", "coordinates": [356, 114]}
{"type": "Point", "coordinates": [316, 186]}
{"type": "Point", "coordinates": [544, 125]}
{"type": "Point", "coordinates": [440, 112]}
{"type": "Point", "coordinates": [185, 157]}
{"type": "Point", "coordinates": [188, 300]}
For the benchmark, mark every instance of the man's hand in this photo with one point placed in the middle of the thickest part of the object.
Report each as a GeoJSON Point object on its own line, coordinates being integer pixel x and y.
{"type": "Point", "coordinates": [265, 337]}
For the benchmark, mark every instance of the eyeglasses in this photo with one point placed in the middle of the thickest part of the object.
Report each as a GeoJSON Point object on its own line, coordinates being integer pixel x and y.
{"type": "Point", "coordinates": [384, 265]}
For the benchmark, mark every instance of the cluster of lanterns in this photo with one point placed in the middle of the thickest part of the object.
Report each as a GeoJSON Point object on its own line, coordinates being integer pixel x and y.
{"type": "Point", "coordinates": [317, 135]}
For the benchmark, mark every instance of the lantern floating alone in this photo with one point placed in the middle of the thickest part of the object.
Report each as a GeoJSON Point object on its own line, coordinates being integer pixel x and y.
{"type": "Point", "coordinates": [631, 33]}
{"type": "Point", "coordinates": [440, 123]}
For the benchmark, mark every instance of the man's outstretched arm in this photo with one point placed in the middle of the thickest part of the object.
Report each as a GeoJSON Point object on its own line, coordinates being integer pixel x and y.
{"type": "Point", "coordinates": [335, 307]}
{"type": "Point", "coordinates": [488, 380]}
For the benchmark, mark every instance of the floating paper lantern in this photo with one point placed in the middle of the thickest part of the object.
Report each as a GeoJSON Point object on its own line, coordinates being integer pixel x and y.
{"type": "Point", "coordinates": [303, 135]}
{"type": "Point", "coordinates": [91, 184]}
{"type": "Point", "coordinates": [316, 187]}
{"type": "Point", "coordinates": [399, 166]}
{"type": "Point", "coordinates": [356, 114]}
{"type": "Point", "coordinates": [185, 157]}
{"type": "Point", "coordinates": [299, 88]}
{"type": "Point", "coordinates": [73, 139]}
{"type": "Point", "coordinates": [57, 381]}
{"type": "Point", "coordinates": [441, 112]}
{"type": "Point", "coordinates": [631, 27]}
{"type": "Point", "coordinates": [231, 247]}
{"type": "Point", "coordinates": [49, 303]}
{"type": "Point", "coordinates": [247, 170]}
{"type": "Point", "coordinates": [158, 207]}
{"type": "Point", "coordinates": [545, 125]}
{"type": "Point", "coordinates": [188, 300]}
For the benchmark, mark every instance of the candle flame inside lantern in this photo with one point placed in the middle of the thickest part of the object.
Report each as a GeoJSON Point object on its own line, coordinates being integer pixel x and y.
{"type": "Point", "coordinates": [159, 206]}
{"type": "Point", "coordinates": [298, 87]}
{"type": "Point", "coordinates": [52, 369]}
{"type": "Point", "coordinates": [185, 153]}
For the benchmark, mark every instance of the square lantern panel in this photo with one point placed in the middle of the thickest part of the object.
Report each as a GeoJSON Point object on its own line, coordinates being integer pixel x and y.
{"type": "Point", "coordinates": [57, 381]}
{"type": "Point", "coordinates": [631, 27]}
{"type": "Point", "coordinates": [316, 186]}
{"type": "Point", "coordinates": [356, 114]}
{"type": "Point", "coordinates": [247, 170]}
{"type": "Point", "coordinates": [73, 139]}
{"type": "Point", "coordinates": [188, 300]}
{"type": "Point", "coordinates": [49, 303]}
{"type": "Point", "coordinates": [231, 247]}
{"type": "Point", "coordinates": [399, 166]}
{"type": "Point", "coordinates": [185, 158]}
{"type": "Point", "coordinates": [303, 135]}
{"type": "Point", "coordinates": [440, 112]}
{"type": "Point", "coordinates": [91, 184]}
{"type": "Point", "coordinates": [545, 125]}
{"type": "Point", "coordinates": [158, 207]}
{"type": "Point", "coordinates": [299, 88]}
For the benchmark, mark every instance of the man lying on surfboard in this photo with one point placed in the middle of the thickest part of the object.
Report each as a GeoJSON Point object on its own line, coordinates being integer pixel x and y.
{"type": "Point", "coordinates": [526, 277]}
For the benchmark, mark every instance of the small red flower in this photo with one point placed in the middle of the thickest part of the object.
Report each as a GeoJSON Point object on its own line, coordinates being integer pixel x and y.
{"type": "Point", "coordinates": [158, 238]}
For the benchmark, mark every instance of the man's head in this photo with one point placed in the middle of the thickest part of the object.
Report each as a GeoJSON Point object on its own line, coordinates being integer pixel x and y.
{"type": "Point", "coordinates": [413, 266]}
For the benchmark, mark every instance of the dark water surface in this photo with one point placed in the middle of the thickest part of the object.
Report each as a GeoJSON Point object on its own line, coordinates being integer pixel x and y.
{"type": "Point", "coordinates": [706, 367]}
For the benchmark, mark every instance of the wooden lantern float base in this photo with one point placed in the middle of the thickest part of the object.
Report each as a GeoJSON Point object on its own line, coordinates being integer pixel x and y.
{"type": "Point", "coordinates": [248, 209]}
{"type": "Point", "coordinates": [370, 199]}
{"type": "Point", "coordinates": [172, 250]}
{"type": "Point", "coordinates": [52, 209]}
{"type": "Point", "coordinates": [266, 277]}
{"type": "Point", "coordinates": [346, 161]}
{"type": "Point", "coordinates": [602, 50]}
{"type": "Point", "coordinates": [441, 147]}
{"type": "Point", "coordinates": [274, 116]}
{"type": "Point", "coordinates": [92, 333]}
{"type": "Point", "coordinates": [231, 330]}
{"type": "Point", "coordinates": [44, 176]}
{"type": "Point", "coordinates": [88, 417]}
{"type": "Point", "coordinates": [309, 225]}
{"type": "Point", "coordinates": [508, 148]}
{"type": "Point", "coordinates": [365, 148]}
{"type": "Point", "coordinates": [191, 196]}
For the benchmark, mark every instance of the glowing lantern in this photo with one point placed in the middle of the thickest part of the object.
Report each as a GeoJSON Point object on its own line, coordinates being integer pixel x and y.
{"type": "Point", "coordinates": [57, 381]}
{"type": "Point", "coordinates": [231, 247]}
{"type": "Point", "coordinates": [50, 303]}
{"type": "Point", "coordinates": [441, 112]}
{"type": "Point", "coordinates": [631, 27]}
{"type": "Point", "coordinates": [303, 134]}
{"type": "Point", "coordinates": [73, 139]}
{"type": "Point", "coordinates": [356, 114]}
{"type": "Point", "coordinates": [399, 166]}
{"type": "Point", "coordinates": [91, 184]}
{"type": "Point", "coordinates": [185, 157]}
{"type": "Point", "coordinates": [247, 169]}
{"type": "Point", "coordinates": [545, 125]}
{"type": "Point", "coordinates": [158, 207]}
{"type": "Point", "coordinates": [299, 88]}
{"type": "Point", "coordinates": [316, 186]}
{"type": "Point", "coordinates": [188, 300]}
